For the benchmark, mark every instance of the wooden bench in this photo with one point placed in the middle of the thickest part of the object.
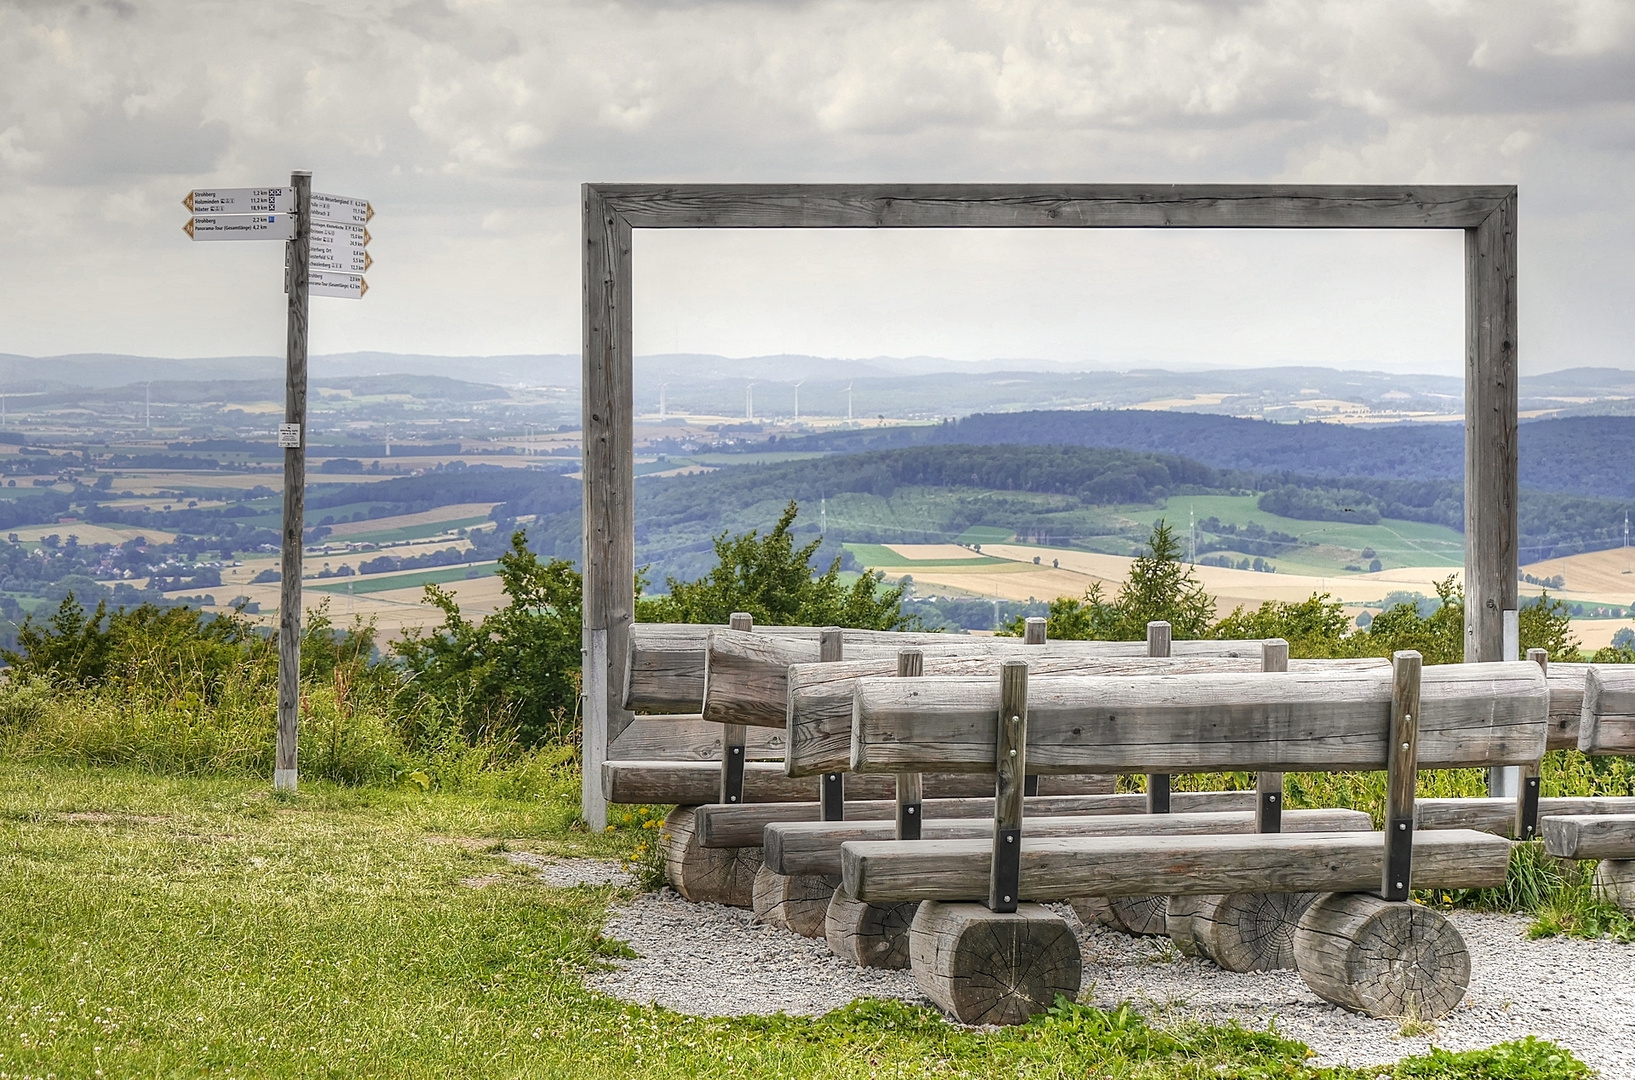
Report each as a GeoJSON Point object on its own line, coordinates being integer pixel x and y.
{"type": "Point", "coordinates": [983, 948]}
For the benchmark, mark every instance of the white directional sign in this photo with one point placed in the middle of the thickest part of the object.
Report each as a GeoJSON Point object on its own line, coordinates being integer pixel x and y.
{"type": "Point", "coordinates": [244, 200]}
{"type": "Point", "coordinates": [339, 247]}
{"type": "Point", "coordinates": [329, 283]}
{"type": "Point", "coordinates": [240, 227]}
{"type": "Point", "coordinates": [340, 208]}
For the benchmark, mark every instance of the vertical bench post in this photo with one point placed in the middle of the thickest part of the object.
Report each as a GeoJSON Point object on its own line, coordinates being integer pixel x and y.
{"type": "Point", "coordinates": [910, 792]}
{"type": "Point", "coordinates": [1527, 792]}
{"type": "Point", "coordinates": [1010, 763]}
{"type": "Point", "coordinates": [1034, 633]}
{"type": "Point", "coordinates": [1158, 643]}
{"type": "Point", "coordinates": [1274, 656]}
{"type": "Point", "coordinates": [830, 650]}
{"type": "Point", "coordinates": [1401, 774]}
{"type": "Point", "coordinates": [734, 736]}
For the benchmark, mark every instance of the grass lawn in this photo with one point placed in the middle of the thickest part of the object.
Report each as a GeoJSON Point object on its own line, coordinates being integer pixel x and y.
{"type": "Point", "coordinates": [156, 926]}
{"type": "Point", "coordinates": [416, 532]}
{"type": "Point", "coordinates": [879, 556]}
{"type": "Point", "coordinates": [1397, 543]}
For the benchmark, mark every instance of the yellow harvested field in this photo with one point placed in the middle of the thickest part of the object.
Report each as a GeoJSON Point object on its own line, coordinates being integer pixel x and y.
{"type": "Point", "coordinates": [90, 534]}
{"type": "Point", "coordinates": [928, 552]}
{"type": "Point", "coordinates": [393, 611]}
{"type": "Point", "coordinates": [1605, 574]}
{"type": "Point", "coordinates": [404, 521]}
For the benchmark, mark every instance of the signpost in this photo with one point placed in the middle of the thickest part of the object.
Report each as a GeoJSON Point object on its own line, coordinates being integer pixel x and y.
{"type": "Point", "coordinates": [326, 255]}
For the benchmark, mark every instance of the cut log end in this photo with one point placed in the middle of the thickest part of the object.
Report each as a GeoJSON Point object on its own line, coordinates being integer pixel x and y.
{"type": "Point", "coordinates": [1381, 958]}
{"type": "Point", "coordinates": [707, 875]}
{"type": "Point", "coordinates": [1615, 883]}
{"type": "Point", "coordinates": [1143, 916]}
{"type": "Point", "coordinates": [1245, 931]}
{"type": "Point", "coordinates": [984, 967]}
{"type": "Point", "coordinates": [793, 902]}
{"type": "Point", "coordinates": [869, 935]}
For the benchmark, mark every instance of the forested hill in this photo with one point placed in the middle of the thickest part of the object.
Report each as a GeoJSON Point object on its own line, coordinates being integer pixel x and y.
{"type": "Point", "coordinates": [1581, 455]}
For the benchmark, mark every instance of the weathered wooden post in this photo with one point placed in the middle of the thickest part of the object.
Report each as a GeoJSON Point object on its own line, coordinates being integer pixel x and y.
{"type": "Point", "coordinates": [292, 437]}
{"type": "Point", "coordinates": [1158, 644]}
{"type": "Point", "coordinates": [1034, 634]}
{"type": "Point", "coordinates": [831, 648]}
{"type": "Point", "coordinates": [910, 790]}
{"type": "Point", "coordinates": [1402, 773]}
{"type": "Point", "coordinates": [1274, 656]}
{"type": "Point", "coordinates": [1527, 792]}
{"type": "Point", "coordinates": [1010, 765]}
{"type": "Point", "coordinates": [734, 736]}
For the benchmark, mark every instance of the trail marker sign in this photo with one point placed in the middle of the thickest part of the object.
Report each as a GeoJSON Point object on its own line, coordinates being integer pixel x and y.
{"type": "Point", "coordinates": [325, 255]}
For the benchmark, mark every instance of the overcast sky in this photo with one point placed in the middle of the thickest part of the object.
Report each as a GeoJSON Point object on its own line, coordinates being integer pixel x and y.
{"type": "Point", "coordinates": [470, 125]}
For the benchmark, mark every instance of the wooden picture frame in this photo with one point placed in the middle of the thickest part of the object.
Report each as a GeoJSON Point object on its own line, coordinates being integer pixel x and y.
{"type": "Point", "coordinates": [1487, 214]}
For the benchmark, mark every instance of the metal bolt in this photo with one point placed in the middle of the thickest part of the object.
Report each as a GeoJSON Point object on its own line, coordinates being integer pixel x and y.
{"type": "Point", "coordinates": [1404, 746]}
{"type": "Point", "coordinates": [1016, 719]}
{"type": "Point", "coordinates": [1399, 884]}
{"type": "Point", "coordinates": [909, 810]}
{"type": "Point", "coordinates": [1010, 839]}
{"type": "Point", "coordinates": [1013, 753]}
{"type": "Point", "coordinates": [1007, 899]}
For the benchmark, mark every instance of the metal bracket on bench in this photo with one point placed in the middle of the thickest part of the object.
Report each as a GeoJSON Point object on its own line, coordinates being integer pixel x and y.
{"type": "Point", "coordinates": [834, 797]}
{"type": "Point", "coordinates": [1399, 858]}
{"type": "Point", "coordinates": [732, 775]}
{"type": "Point", "coordinates": [1158, 793]}
{"type": "Point", "coordinates": [1007, 869]}
{"type": "Point", "coordinates": [1030, 786]}
{"type": "Point", "coordinates": [1527, 816]}
{"type": "Point", "coordinates": [1270, 818]}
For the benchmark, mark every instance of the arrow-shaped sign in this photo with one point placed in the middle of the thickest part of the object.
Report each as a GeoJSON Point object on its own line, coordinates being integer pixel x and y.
{"type": "Point", "coordinates": [240, 227]}
{"type": "Point", "coordinates": [329, 283]}
{"type": "Point", "coordinates": [269, 200]}
{"type": "Point", "coordinates": [342, 209]}
{"type": "Point", "coordinates": [340, 247]}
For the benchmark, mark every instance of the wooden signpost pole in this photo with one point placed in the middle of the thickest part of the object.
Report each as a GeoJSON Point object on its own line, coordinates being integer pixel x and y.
{"type": "Point", "coordinates": [292, 437]}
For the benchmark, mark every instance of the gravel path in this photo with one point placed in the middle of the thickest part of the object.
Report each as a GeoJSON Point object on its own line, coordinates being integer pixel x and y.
{"type": "Point", "coordinates": [711, 960]}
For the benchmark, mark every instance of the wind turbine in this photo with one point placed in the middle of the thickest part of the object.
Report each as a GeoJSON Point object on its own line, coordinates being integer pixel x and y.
{"type": "Point", "coordinates": [749, 401]}
{"type": "Point", "coordinates": [661, 399]}
{"type": "Point", "coordinates": [797, 399]}
{"type": "Point", "coordinates": [849, 400]}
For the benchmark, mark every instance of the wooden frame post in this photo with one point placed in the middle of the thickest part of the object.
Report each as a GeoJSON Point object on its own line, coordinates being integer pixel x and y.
{"type": "Point", "coordinates": [1486, 214]}
{"type": "Point", "coordinates": [1010, 763]}
{"type": "Point", "coordinates": [1158, 644]}
{"type": "Point", "coordinates": [1274, 656]}
{"type": "Point", "coordinates": [1401, 776]}
{"type": "Point", "coordinates": [734, 736]}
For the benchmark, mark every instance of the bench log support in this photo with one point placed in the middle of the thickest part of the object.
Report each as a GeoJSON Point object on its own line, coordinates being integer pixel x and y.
{"type": "Point", "coordinates": [1401, 774]}
{"type": "Point", "coordinates": [910, 790]}
{"type": "Point", "coordinates": [1381, 958]}
{"type": "Point", "coordinates": [734, 736]}
{"type": "Point", "coordinates": [990, 967]}
{"type": "Point", "coordinates": [794, 902]}
{"type": "Point", "coordinates": [1010, 765]}
{"type": "Point", "coordinates": [830, 650]}
{"type": "Point", "coordinates": [1274, 656]}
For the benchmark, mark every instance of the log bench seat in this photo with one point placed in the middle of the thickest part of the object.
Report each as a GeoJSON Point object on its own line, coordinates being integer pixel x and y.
{"type": "Point", "coordinates": [1607, 837]}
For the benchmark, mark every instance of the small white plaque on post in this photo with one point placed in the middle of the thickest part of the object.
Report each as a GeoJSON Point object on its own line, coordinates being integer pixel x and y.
{"type": "Point", "coordinates": [289, 436]}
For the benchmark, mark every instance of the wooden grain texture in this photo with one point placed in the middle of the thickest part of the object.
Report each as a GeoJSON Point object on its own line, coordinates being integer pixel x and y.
{"type": "Point", "coordinates": [1247, 931]}
{"type": "Point", "coordinates": [1491, 431]}
{"type": "Point", "coordinates": [1402, 772]}
{"type": "Point", "coordinates": [744, 825]}
{"type": "Point", "coordinates": [1497, 815]}
{"type": "Point", "coordinates": [694, 783]}
{"type": "Point", "coordinates": [1178, 924]}
{"type": "Point", "coordinates": [707, 875]}
{"type": "Point", "coordinates": [910, 789]}
{"type": "Point", "coordinates": [688, 738]}
{"type": "Point", "coordinates": [811, 848]}
{"type": "Point", "coordinates": [868, 935]}
{"type": "Point", "coordinates": [820, 697]}
{"type": "Point", "coordinates": [1607, 717]}
{"type": "Point", "coordinates": [1010, 768]}
{"type": "Point", "coordinates": [1034, 631]}
{"type": "Point", "coordinates": [293, 523]}
{"type": "Point", "coordinates": [1061, 867]}
{"type": "Point", "coordinates": [665, 662]}
{"type": "Point", "coordinates": [1566, 703]}
{"type": "Point", "coordinates": [1615, 883]}
{"type": "Point", "coordinates": [987, 967]}
{"type": "Point", "coordinates": [1053, 206]}
{"type": "Point", "coordinates": [795, 903]}
{"type": "Point", "coordinates": [1589, 836]}
{"type": "Point", "coordinates": [1331, 720]}
{"type": "Point", "coordinates": [1142, 916]}
{"type": "Point", "coordinates": [1382, 958]}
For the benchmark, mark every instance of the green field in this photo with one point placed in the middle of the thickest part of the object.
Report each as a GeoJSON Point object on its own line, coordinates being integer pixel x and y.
{"type": "Point", "coordinates": [416, 532]}
{"type": "Point", "coordinates": [879, 557]}
{"type": "Point", "coordinates": [364, 584]}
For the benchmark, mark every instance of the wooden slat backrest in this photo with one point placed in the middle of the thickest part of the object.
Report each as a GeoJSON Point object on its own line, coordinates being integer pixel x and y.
{"type": "Point", "coordinates": [1303, 720]}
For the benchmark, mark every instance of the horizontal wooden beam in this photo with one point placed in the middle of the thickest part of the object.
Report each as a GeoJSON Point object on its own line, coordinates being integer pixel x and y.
{"type": "Point", "coordinates": [691, 783]}
{"type": "Point", "coordinates": [687, 738]}
{"type": "Point", "coordinates": [820, 695]}
{"type": "Point", "coordinates": [1589, 836]}
{"type": "Point", "coordinates": [744, 825]}
{"type": "Point", "coordinates": [1497, 815]}
{"type": "Point", "coordinates": [814, 848]}
{"type": "Point", "coordinates": [1333, 721]}
{"type": "Point", "coordinates": [1607, 720]}
{"type": "Point", "coordinates": [1062, 868]}
{"type": "Point", "coordinates": [1055, 206]}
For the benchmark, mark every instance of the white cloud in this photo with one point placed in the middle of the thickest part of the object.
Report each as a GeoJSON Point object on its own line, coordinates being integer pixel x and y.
{"type": "Point", "coordinates": [471, 125]}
